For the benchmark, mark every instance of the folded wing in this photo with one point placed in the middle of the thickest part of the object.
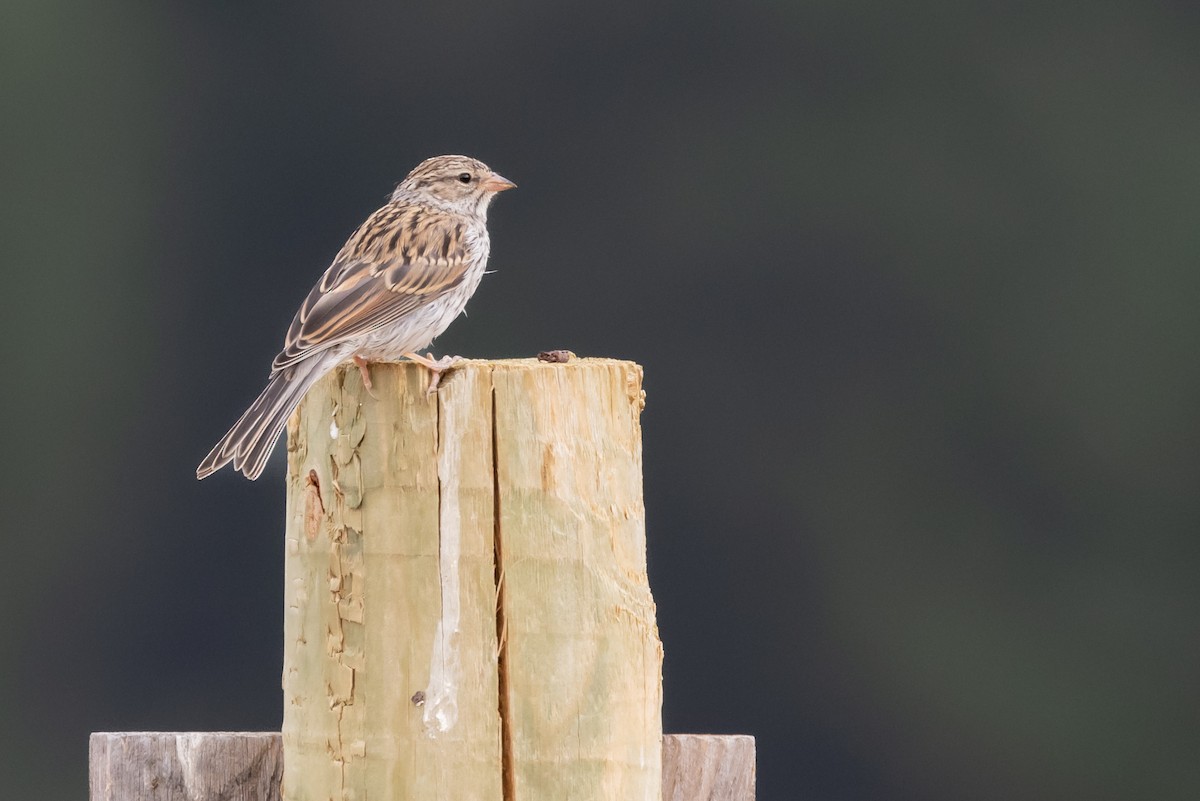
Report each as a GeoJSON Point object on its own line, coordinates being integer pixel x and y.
{"type": "Point", "coordinates": [400, 259]}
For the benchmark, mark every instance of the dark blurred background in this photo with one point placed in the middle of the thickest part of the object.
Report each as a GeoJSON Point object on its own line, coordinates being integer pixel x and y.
{"type": "Point", "coordinates": [914, 285]}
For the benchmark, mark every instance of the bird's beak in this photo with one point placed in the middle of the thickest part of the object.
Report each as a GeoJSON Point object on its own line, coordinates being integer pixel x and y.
{"type": "Point", "coordinates": [497, 183]}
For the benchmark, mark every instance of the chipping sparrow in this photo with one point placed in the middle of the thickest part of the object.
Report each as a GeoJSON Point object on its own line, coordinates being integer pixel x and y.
{"type": "Point", "coordinates": [397, 283]}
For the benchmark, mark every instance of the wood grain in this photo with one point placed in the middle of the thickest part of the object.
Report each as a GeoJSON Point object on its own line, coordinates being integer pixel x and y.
{"type": "Point", "coordinates": [708, 767]}
{"type": "Point", "coordinates": [583, 662]}
{"type": "Point", "coordinates": [185, 766]}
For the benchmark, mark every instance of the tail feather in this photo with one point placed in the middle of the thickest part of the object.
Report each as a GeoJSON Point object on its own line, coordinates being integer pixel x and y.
{"type": "Point", "coordinates": [250, 442]}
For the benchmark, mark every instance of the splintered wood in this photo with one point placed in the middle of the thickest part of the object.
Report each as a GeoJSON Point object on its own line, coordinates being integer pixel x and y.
{"type": "Point", "coordinates": [467, 613]}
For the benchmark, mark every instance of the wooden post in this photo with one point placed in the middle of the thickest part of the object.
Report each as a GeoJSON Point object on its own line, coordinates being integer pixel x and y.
{"type": "Point", "coordinates": [468, 614]}
{"type": "Point", "coordinates": [241, 766]}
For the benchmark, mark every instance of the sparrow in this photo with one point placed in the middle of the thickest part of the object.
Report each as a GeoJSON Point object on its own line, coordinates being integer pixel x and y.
{"type": "Point", "coordinates": [398, 282]}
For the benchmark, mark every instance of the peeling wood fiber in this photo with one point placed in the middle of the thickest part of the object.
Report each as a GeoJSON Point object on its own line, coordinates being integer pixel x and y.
{"type": "Point", "coordinates": [409, 519]}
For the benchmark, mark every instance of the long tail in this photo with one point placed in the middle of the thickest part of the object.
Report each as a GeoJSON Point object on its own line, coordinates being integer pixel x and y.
{"type": "Point", "coordinates": [253, 436]}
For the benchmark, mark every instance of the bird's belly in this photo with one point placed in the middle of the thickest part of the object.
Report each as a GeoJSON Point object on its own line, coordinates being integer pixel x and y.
{"type": "Point", "coordinates": [414, 331]}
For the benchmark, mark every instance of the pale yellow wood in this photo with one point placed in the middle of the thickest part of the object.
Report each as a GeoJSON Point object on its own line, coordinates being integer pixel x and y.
{"type": "Point", "coordinates": [396, 685]}
{"type": "Point", "coordinates": [367, 589]}
{"type": "Point", "coordinates": [582, 658]}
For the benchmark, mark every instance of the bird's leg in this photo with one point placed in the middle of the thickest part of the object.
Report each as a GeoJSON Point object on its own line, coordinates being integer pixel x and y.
{"type": "Point", "coordinates": [365, 373]}
{"type": "Point", "coordinates": [435, 366]}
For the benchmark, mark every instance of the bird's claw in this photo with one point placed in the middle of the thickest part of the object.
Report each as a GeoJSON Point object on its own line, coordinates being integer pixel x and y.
{"type": "Point", "coordinates": [436, 367]}
{"type": "Point", "coordinates": [366, 375]}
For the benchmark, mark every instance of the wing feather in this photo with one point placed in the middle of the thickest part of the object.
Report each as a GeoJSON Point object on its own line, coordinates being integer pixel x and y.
{"type": "Point", "coordinates": [400, 259]}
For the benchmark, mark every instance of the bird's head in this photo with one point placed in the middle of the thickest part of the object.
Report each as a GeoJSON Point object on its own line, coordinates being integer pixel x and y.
{"type": "Point", "coordinates": [458, 183]}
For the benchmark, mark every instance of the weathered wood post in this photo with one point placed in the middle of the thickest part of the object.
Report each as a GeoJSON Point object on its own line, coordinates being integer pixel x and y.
{"type": "Point", "coordinates": [467, 609]}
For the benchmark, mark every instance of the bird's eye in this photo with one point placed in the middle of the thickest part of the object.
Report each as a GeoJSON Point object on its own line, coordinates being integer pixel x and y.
{"type": "Point", "coordinates": [465, 177]}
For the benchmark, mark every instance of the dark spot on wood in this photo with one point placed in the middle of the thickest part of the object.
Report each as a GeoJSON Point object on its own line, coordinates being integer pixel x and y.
{"type": "Point", "coordinates": [555, 356]}
{"type": "Point", "coordinates": [314, 506]}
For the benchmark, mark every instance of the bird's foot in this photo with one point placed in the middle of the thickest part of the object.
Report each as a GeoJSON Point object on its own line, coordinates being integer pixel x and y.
{"type": "Point", "coordinates": [435, 366]}
{"type": "Point", "coordinates": [366, 375]}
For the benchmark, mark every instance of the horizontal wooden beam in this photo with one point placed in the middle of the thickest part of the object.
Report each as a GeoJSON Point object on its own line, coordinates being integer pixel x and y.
{"type": "Point", "coordinates": [708, 767]}
{"type": "Point", "coordinates": [247, 766]}
{"type": "Point", "coordinates": [185, 766]}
